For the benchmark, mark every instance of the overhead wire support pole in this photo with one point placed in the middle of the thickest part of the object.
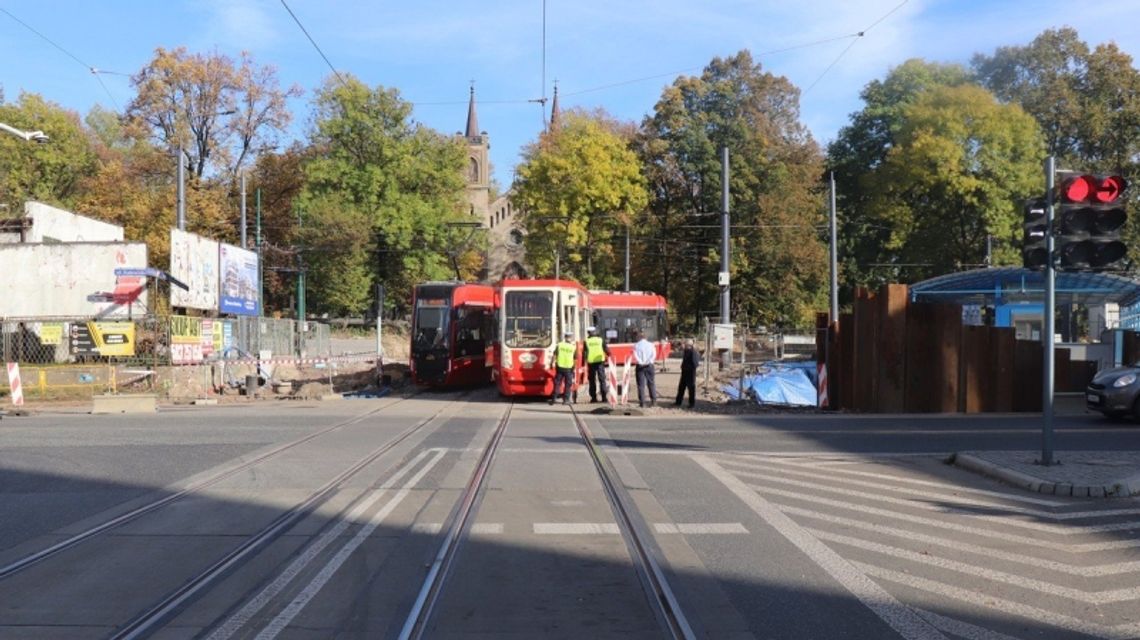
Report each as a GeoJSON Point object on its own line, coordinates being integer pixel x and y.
{"type": "Point", "coordinates": [1050, 303]}
{"type": "Point", "coordinates": [834, 254]}
{"type": "Point", "coordinates": [726, 358]}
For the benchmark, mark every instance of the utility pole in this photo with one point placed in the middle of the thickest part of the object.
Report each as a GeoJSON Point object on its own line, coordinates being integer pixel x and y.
{"type": "Point", "coordinates": [260, 267]}
{"type": "Point", "coordinates": [181, 189]}
{"type": "Point", "coordinates": [243, 223]}
{"type": "Point", "coordinates": [627, 258]}
{"type": "Point", "coordinates": [1050, 302]}
{"type": "Point", "coordinates": [723, 279]}
{"type": "Point", "coordinates": [834, 255]}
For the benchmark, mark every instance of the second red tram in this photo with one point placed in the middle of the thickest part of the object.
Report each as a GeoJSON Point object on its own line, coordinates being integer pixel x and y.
{"type": "Point", "coordinates": [620, 315]}
{"type": "Point", "coordinates": [532, 316]}
{"type": "Point", "coordinates": [451, 327]}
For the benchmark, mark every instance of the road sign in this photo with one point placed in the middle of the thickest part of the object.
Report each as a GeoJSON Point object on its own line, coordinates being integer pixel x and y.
{"type": "Point", "coordinates": [146, 272]}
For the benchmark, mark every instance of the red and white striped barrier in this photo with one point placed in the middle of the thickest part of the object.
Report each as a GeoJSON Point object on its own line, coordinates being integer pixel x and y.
{"type": "Point", "coordinates": [821, 370]}
{"type": "Point", "coordinates": [290, 360]}
{"type": "Point", "coordinates": [14, 384]}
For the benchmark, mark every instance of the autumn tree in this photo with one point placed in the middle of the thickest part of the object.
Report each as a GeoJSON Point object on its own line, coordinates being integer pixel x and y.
{"type": "Point", "coordinates": [50, 173]}
{"type": "Point", "coordinates": [778, 261]}
{"type": "Point", "coordinates": [581, 187]}
{"type": "Point", "coordinates": [380, 197]}
{"type": "Point", "coordinates": [860, 149]}
{"type": "Point", "coordinates": [220, 113]}
{"type": "Point", "coordinates": [958, 169]}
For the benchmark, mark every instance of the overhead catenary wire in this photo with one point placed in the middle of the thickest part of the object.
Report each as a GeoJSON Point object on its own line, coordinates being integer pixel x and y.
{"type": "Point", "coordinates": [860, 34]}
{"type": "Point", "coordinates": [314, 43]}
{"type": "Point", "coordinates": [94, 71]}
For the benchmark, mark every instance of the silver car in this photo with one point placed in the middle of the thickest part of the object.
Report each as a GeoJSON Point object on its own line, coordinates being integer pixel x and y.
{"type": "Point", "coordinates": [1115, 392]}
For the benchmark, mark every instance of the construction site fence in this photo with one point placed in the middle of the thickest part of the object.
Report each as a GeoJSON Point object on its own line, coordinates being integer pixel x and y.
{"type": "Point", "coordinates": [154, 341]}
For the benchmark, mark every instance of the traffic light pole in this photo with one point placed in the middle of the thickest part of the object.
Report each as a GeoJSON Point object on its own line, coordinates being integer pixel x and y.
{"type": "Point", "coordinates": [1050, 303]}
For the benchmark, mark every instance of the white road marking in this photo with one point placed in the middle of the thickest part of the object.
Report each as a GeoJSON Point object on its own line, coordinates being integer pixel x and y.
{"type": "Point", "coordinates": [700, 528]}
{"type": "Point", "coordinates": [900, 617]}
{"type": "Point", "coordinates": [1006, 521]}
{"type": "Point", "coordinates": [922, 483]}
{"type": "Point", "coordinates": [567, 503]}
{"type": "Point", "coordinates": [973, 597]}
{"type": "Point", "coordinates": [943, 524]}
{"type": "Point", "coordinates": [273, 589]}
{"type": "Point", "coordinates": [433, 528]}
{"type": "Point", "coordinates": [962, 629]}
{"type": "Point", "coordinates": [575, 528]}
{"type": "Point", "coordinates": [1112, 569]}
{"type": "Point", "coordinates": [278, 624]}
{"type": "Point", "coordinates": [1049, 588]}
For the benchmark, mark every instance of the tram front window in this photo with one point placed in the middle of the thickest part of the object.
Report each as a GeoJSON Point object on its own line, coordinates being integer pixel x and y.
{"type": "Point", "coordinates": [623, 325]}
{"type": "Point", "coordinates": [431, 327]}
{"type": "Point", "coordinates": [528, 318]}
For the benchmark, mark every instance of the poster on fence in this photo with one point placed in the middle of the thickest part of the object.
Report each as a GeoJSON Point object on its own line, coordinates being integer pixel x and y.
{"type": "Point", "coordinates": [194, 261]}
{"type": "Point", "coordinates": [185, 340]}
{"type": "Point", "coordinates": [102, 338]}
{"type": "Point", "coordinates": [238, 292]}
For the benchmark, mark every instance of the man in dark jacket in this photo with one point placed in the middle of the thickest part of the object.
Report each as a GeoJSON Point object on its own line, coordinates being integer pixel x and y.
{"type": "Point", "coordinates": [690, 359]}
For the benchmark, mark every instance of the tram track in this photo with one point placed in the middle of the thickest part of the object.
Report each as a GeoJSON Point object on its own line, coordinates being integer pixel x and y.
{"type": "Point", "coordinates": [24, 563]}
{"type": "Point", "coordinates": [633, 531]}
{"type": "Point", "coordinates": [154, 617]}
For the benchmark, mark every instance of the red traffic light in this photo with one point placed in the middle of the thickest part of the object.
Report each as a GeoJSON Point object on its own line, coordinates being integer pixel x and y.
{"type": "Point", "coordinates": [1094, 189]}
{"type": "Point", "coordinates": [1109, 189]}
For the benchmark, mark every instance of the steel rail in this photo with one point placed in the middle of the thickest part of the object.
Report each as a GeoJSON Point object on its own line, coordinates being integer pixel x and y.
{"type": "Point", "coordinates": [416, 622]}
{"type": "Point", "coordinates": [146, 622]}
{"type": "Point", "coordinates": [652, 576]}
{"type": "Point", "coordinates": [17, 566]}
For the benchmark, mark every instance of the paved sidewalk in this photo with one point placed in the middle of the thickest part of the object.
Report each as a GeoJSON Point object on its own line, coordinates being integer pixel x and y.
{"type": "Point", "coordinates": [1080, 474]}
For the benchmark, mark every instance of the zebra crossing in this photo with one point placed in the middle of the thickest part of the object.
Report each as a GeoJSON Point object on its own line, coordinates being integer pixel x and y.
{"type": "Point", "coordinates": [939, 555]}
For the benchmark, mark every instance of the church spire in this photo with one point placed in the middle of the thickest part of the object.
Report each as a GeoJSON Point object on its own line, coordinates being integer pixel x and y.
{"type": "Point", "coordinates": [472, 119]}
{"type": "Point", "coordinates": [554, 109]}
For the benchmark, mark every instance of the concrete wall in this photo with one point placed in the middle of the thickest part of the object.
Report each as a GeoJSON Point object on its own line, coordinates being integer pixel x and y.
{"type": "Point", "coordinates": [50, 224]}
{"type": "Point", "coordinates": [69, 280]}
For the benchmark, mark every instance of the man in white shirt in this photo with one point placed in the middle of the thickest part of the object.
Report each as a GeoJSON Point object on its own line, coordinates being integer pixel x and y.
{"type": "Point", "coordinates": [644, 353]}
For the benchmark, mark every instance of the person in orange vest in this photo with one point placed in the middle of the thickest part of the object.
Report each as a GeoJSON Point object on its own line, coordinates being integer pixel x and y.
{"type": "Point", "coordinates": [565, 356]}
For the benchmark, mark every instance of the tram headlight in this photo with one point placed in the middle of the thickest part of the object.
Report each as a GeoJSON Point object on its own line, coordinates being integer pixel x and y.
{"type": "Point", "coordinates": [505, 360]}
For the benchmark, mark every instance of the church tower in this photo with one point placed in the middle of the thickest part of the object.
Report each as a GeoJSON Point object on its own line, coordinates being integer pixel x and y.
{"type": "Point", "coordinates": [478, 170]}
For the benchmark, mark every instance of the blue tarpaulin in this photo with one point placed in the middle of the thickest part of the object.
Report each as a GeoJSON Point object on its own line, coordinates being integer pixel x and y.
{"type": "Point", "coordinates": [781, 385]}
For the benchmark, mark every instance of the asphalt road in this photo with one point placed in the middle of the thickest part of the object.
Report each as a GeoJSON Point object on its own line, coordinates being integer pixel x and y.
{"type": "Point", "coordinates": [321, 519]}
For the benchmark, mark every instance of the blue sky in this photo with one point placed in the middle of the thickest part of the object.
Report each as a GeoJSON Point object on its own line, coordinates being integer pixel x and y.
{"type": "Point", "coordinates": [614, 55]}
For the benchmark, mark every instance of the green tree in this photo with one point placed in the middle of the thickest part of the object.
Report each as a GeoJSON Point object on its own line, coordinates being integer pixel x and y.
{"type": "Point", "coordinates": [373, 169]}
{"type": "Point", "coordinates": [958, 170]}
{"type": "Point", "coordinates": [580, 185]}
{"type": "Point", "coordinates": [862, 147]}
{"type": "Point", "coordinates": [779, 264]}
{"type": "Point", "coordinates": [51, 173]}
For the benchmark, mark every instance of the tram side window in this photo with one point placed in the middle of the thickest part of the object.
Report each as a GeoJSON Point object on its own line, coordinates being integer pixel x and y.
{"type": "Point", "coordinates": [470, 340]}
{"type": "Point", "coordinates": [623, 325]}
{"type": "Point", "coordinates": [527, 319]}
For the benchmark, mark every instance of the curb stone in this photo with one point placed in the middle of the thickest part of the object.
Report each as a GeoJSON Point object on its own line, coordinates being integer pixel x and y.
{"type": "Point", "coordinates": [1116, 489]}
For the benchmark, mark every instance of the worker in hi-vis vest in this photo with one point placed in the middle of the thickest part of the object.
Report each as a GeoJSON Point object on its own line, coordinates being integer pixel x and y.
{"type": "Point", "coordinates": [596, 354]}
{"type": "Point", "coordinates": [565, 356]}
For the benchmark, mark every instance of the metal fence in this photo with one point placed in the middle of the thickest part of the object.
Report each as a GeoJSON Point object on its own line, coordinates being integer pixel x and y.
{"type": "Point", "coordinates": [156, 340]}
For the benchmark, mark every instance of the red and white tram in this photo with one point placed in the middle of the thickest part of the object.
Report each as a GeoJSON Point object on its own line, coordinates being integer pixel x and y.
{"type": "Point", "coordinates": [451, 328]}
{"type": "Point", "coordinates": [620, 315]}
{"type": "Point", "coordinates": [532, 316]}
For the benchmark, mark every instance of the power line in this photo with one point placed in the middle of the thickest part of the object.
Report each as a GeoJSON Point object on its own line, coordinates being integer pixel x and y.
{"type": "Point", "coordinates": [67, 53]}
{"type": "Point", "coordinates": [858, 35]}
{"type": "Point", "coordinates": [314, 43]}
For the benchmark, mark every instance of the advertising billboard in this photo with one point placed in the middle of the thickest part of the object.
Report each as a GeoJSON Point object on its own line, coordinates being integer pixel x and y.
{"type": "Point", "coordinates": [194, 260]}
{"type": "Point", "coordinates": [238, 288]}
{"type": "Point", "coordinates": [186, 340]}
{"type": "Point", "coordinates": [103, 338]}
{"type": "Point", "coordinates": [74, 279]}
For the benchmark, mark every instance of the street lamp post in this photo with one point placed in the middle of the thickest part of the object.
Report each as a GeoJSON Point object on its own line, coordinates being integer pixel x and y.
{"type": "Point", "coordinates": [29, 136]}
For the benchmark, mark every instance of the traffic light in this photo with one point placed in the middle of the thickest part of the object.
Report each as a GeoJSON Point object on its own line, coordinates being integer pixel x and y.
{"type": "Point", "coordinates": [1034, 252]}
{"type": "Point", "coordinates": [1088, 217]}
